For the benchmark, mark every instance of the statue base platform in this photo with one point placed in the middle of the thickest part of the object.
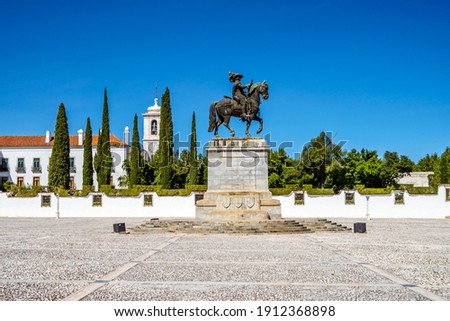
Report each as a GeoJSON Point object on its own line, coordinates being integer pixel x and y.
{"type": "Point", "coordinates": [238, 181]}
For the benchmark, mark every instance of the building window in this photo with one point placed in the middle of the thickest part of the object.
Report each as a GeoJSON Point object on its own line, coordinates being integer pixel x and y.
{"type": "Point", "coordinates": [36, 165]}
{"type": "Point", "coordinates": [20, 182]}
{"type": "Point", "coordinates": [73, 168]}
{"type": "Point", "coordinates": [46, 201]}
{"type": "Point", "coordinates": [72, 182]}
{"type": "Point", "coordinates": [4, 165]}
{"type": "Point", "coordinates": [349, 198]}
{"type": "Point", "coordinates": [299, 198]}
{"type": "Point", "coordinates": [3, 181]}
{"type": "Point", "coordinates": [148, 200]}
{"type": "Point", "coordinates": [154, 127]}
{"type": "Point", "coordinates": [447, 194]}
{"type": "Point", "coordinates": [97, 200]}
{"type": "Point", "coordinates": [399, 198]}
{"type": "Point", "coordinates": [20, 165]}
{"type": "Point", "coordinates": [36, 181]}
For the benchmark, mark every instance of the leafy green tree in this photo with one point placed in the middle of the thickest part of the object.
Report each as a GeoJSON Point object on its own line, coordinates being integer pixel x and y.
{"type": "Point", "coordinates": [317, 155]}
{"type": "Point", "coordinates": [203, 169]}
{"type": "Point", "coordinates": [165, 151]}
{"type": "Point", "coordinates": [180, 170]}
{"type": "Point", "coordinates": [135, 156]}
{"type": "Point", "coordinates": [88, 170]}
{"type": "Point", "coordinates": [430, 163]}
{"type": "Point", "coordinates": [276, 168]}
{"type": "Point", "coordinates": [104, 160]}
{"type": "Point", "coordinates": [444, 167]}
{"type": "Point", "coordinates": [59, 167]}
{"type": "Point", "coordinates": [371, 172]}
{"type": "Point", "coordinates": [193, 164]}
{"type": "Point", "coordinates": [396, 164]}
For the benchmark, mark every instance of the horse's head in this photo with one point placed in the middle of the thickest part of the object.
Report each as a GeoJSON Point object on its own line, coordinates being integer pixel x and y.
{"type": "Point", "coordinates": [260, 88]}
{"type": "Point", "coordinates": [264, 90]}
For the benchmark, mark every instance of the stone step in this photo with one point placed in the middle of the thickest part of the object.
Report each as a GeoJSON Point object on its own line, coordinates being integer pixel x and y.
{"type": "Point", "coordinates": [192, 226]}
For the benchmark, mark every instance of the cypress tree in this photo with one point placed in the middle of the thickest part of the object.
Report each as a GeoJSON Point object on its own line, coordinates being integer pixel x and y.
{"type": "Point", "coordinates": [104, 148]}
{"type": "Point", "coordinates": [166, 142]}
{"type": "Point", "coordinates": [135, 170]}
{"type": "Point", "coordinates": [88, 170]}
{"type": "Point", "coordinates": [193, 165]}
{"type": "Point", "coordinates": [59, 167]}
{"type": "Point", "coordinates": [97, 157]}
{"type": "Point", "coordinates": [445, 166]}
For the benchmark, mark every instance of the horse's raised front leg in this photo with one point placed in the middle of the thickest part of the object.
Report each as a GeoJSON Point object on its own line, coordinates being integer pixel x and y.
{"type": "Point", "coordinates": [260, 124]}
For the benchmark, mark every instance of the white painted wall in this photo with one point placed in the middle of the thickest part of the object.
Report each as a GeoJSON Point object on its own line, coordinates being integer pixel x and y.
{"type": "Point", "coordinates": [163, 206]}
{"type": "Point", "coordinates": [380, 206]}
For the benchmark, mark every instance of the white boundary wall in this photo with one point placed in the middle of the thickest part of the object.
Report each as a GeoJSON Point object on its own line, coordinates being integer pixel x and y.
{"type": "Point", "coordinates": [379, 206]}
{"type": "Point", "coordinates": [165, 206]}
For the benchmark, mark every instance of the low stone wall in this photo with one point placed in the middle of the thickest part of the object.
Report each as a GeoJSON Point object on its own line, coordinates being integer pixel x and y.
{"type": "Point", "coordinates": [89, 206]}
{"type": "Point", "coordinates": [377, 206]}
{"type": "Point", "coordinates": [151, 205]}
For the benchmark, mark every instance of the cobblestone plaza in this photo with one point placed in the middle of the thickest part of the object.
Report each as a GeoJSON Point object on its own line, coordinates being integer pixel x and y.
{"type": "Point", "coordinates": [81, 259]}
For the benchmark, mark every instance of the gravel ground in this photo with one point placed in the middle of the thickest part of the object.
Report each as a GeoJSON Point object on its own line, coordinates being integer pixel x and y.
{"type": "Point", "coordinates": [48, 259]}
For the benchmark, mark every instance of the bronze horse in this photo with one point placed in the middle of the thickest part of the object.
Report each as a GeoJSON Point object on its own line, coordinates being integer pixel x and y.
{"type": "Point", "coordinates": [228, 107]}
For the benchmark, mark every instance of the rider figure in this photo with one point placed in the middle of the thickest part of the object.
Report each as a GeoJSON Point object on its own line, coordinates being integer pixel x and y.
{"type": "Point", "coordinates": [239, 94]}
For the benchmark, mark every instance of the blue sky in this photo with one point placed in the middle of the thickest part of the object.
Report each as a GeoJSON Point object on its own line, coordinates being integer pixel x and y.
{"type": "Point", "coordinates": [375, 73]}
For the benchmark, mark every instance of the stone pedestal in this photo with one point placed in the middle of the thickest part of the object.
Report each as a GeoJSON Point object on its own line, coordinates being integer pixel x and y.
{"type": "Point", "coordinates": [238, 181]}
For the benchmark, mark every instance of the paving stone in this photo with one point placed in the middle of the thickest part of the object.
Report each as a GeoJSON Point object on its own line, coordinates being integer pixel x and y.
{"type": "Point", "coordinates": [251, 292]}
{"type": "Point", "coordinates": [48, 259]}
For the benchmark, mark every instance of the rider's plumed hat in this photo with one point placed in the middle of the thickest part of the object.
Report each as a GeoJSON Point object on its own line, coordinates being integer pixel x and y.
{"type": "Point", "coordinates": [233, 76]}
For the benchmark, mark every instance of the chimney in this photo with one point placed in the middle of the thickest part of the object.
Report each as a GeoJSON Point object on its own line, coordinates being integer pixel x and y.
{"type": "Point", "coordinates": [48, 136]}
{"type": "Point", "coordinates": [80, 137]}
{"type": "Point", "coordinates": [126, 135]}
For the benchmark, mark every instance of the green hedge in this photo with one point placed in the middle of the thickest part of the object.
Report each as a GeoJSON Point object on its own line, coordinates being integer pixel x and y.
{"type": "Point", "coordinates": [317, 191]}
{"type": "Point", "coordinates": [283, 190]}
{"type": "Point", "coordinates": [137, 189]}
{"type": "Point", "coordinates": [375, 191]}
{"type": "Point", "coordinates": [422, 190]}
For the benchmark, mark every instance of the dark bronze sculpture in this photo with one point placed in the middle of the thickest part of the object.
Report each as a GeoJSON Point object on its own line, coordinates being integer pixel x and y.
{"type": "Point", "coordinates": [244, 104]}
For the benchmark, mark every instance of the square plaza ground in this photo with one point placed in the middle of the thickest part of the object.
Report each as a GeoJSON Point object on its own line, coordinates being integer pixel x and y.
{"type": "Point", "coordinates": [81, 259]}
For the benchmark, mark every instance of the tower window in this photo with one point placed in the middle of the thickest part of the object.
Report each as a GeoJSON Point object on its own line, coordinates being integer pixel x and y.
{"type": "Point", "coordinates": [154, 127]}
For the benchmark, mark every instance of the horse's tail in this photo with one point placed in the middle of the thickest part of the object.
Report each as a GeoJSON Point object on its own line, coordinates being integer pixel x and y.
{"type": "Point", "coordinates": [212, 117]}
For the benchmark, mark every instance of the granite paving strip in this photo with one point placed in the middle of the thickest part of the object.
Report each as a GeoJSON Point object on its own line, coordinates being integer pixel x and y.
{"type": "Point", "coordinates": [402, 282]}
{"type": "Point", "coordinates": [41, 290]}
{"type": "Point", "coordinates": [80, 294]}
{"type": "Point", "coordinates": [165, 291]}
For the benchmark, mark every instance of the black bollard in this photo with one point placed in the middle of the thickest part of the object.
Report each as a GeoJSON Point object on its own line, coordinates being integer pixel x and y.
{"type": "Point", "coordinates": [119, 227]}
{"type": "Point", "coordinates": [359, 227]}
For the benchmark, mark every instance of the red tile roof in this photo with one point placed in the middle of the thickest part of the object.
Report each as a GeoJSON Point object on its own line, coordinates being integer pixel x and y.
{"type": "Point", "coordinates": [38, 141]}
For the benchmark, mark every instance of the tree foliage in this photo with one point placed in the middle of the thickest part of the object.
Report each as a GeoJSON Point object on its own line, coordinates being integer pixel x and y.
{"type": "Point", "coordinates": [444, 166]}
{"type": "Point", "coordinates": [103, 160]}
{"type": "Point", "coordinates": [88, 170]}
{"type": "Point", "coordinates": [59, 167]}
{"type": "Point", "coordinates": [165, 152]}
{"type": "Point", "coordinates": [135, 171]}
{"type": "Point", "coordinates": [193, 164]}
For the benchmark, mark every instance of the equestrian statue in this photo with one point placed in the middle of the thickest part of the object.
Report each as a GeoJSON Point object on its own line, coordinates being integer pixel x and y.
{"type": "Point", "coordinates": [244, 104]}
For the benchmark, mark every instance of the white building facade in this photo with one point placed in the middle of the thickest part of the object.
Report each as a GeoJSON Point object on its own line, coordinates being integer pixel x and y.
{"type": "Point", "coordinates": [24, 160]}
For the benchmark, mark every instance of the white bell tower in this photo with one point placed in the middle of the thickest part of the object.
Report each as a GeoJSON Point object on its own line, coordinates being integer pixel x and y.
{"type": "Point", "coordinates": [152, 120]}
